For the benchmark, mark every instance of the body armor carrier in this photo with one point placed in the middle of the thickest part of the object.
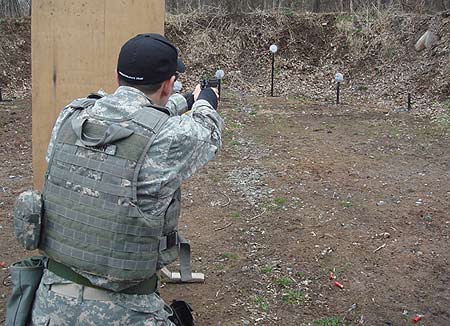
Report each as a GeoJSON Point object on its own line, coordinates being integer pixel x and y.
{"type": "Point", "coordinates": [91, 220]}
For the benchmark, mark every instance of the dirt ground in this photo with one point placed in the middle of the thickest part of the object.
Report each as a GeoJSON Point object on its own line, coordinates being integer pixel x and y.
{"type": "Point", "coordinates": [299, 191]}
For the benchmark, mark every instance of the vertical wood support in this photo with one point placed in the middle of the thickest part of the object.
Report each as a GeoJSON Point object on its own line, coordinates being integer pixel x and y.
{"type": "Point", "coordinates": [75, 45]}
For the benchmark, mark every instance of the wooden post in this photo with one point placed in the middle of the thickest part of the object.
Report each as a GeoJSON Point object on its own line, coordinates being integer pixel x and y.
{"type": "Point", "coordinates": [75, 45]}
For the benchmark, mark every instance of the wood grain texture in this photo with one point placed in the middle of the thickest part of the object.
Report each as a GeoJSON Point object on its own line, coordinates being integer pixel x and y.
{"type": "Point", "coordinates": [75, 45]}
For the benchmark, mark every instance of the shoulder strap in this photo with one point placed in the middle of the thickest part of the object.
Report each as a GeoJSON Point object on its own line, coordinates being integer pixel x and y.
{"type": "Point", "coordinates": [84, 103]}
{"type": "Point", "coordinates": [79, 104]}
{"type": "Point", "coordinates": [152, 120]}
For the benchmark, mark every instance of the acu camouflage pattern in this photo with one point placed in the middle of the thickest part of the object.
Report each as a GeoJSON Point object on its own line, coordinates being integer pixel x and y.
{"type": "Point", "coordinates": [184, 144]}
{"type": "Point", "coordinates": [51, 308]}
{"type": "Point", "coordinates": [27, 219]}
{"type": "Point", "coordinates": [91, 221]}
{"type": "Point", "coordinates": [187, 141]}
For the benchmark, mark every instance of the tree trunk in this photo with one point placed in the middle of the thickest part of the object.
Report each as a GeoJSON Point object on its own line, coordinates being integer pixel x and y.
{"type": "Point", "coordinates": [316, 6]}
{"type": "Point", "coordinates": [9, 8]}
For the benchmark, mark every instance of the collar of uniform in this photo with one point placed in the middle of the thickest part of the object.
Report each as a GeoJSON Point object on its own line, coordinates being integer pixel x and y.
{"type": "Point", "coordinates": [120, 105]}
{"type": "Point", "coordinates": [135, 93]}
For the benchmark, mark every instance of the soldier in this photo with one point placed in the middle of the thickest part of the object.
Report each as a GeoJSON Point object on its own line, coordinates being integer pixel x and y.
{"type": "Point", "coordinates": [112, 191]}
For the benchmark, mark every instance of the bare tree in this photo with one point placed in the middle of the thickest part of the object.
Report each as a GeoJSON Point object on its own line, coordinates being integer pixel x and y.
{"type": "Point", "coordinates": [10, 8]}
{"type": "Point", "coordinates": [233, 6]}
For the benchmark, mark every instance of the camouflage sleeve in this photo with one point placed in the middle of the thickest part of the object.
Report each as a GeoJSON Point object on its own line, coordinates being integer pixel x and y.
{"type": "Point", "coordinates": [185, 144]}
{"type": "Point", "coordinates": [203, 113]}
{"type": "Point", "coordinates": [177, 105]}
{"type": "Point", "coordinates": [56, 127]}
{"type": "Point", "coordinates": [196, 139]}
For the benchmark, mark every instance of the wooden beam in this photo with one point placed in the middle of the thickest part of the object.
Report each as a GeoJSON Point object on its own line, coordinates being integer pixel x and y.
{"type": "Point", "coordinates": [75, 45]}
{"type": "Point", "coordinates": [175, 277]}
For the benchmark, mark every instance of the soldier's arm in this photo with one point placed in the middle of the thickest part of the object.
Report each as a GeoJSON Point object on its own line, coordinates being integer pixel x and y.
{"type": "Point", "coordinates": [197, 138]}
{"type": "Point", "coordinates": [177, 105]}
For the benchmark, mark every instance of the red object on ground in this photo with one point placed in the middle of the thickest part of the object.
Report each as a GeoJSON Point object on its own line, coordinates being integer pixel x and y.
{"type": "Point", "coordinates": [339, 285]}
{"type": "Point", "coordinates": [332, 277]}
{"type": "Point", "coordinates": [417, 319]}
{"type": "Point", "coordinates": [3, 264]}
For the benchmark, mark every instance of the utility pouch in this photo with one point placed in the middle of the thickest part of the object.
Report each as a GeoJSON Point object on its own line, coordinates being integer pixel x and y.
{"type": "Point", "coordinates": [27, 219]}
{"type": "Point", "coordinates": [25, 278]}
{"type": "Point", "coordinates": [182, 313]}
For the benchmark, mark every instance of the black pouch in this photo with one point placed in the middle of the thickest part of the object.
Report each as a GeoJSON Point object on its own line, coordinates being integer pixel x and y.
{"type": "Point", "coordinates": [25, 278]}
{"type": "Point", "coordinates": [182, 313]}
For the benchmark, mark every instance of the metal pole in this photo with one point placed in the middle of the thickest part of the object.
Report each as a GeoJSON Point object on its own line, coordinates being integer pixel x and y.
{"type": "Point", "coordinates": [220, 86]}
{"type": "Point", "coordinates": [337, 92]}
{"type": "Point", "coordinates": [409, 101]}
{"type": "Point", "coordinates": [1, 98]}
{"type": "Point", "coordinates": [273, 72]}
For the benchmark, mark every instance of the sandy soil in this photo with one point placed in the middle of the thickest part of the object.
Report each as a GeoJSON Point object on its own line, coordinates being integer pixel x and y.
{"type": "Point", "coordinates": [299, 191]}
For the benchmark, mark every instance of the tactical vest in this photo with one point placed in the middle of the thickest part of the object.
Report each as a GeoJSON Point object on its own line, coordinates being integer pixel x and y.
{"type": "Point", "coordinates": [91, 219]}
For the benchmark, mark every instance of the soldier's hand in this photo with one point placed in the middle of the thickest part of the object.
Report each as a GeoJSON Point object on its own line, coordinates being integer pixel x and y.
{"type": "Point", "coordinates": [209, 94]}
{"type": "Point", "coordinates": [197, 91]}
{"type": "Point", "coordinates": [216, 90]}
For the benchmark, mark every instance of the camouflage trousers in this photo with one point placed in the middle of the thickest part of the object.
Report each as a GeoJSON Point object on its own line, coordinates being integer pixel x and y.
{"type": "Point", "coordinates": [51, 308]}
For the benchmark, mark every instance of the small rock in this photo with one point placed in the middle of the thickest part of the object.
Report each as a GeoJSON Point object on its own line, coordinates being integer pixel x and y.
{"type": "Point", "coordinates": [425, 41]}
{"type": "Point", "coordinates": [245, 268]}
{"type": "Point", "coordinates": [381, 203]}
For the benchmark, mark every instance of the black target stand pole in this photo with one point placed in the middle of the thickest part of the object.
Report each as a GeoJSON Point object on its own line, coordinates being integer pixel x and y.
{"type": "Point", "coordinates": [338, 90]}
{"type": "Point", "coordinates": [409, 102]}
{"type": "Point", "coordinates": [273, 72]}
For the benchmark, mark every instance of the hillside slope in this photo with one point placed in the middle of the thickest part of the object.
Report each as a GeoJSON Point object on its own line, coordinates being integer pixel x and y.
{"type": "Point", "coordinates": [376, 55]}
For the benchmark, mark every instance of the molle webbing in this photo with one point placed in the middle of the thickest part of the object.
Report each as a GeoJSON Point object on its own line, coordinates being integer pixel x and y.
{"type": "Point", "coordinates": [91, 219]}
{"type": "Point", "coordinates": [100, 166]}
{"type": "Point", "coordinates": [90, 183]}
{"type": "Point", "coordinates": [72, 216]}
{"type": "Point", "coordinates": [129, 148]}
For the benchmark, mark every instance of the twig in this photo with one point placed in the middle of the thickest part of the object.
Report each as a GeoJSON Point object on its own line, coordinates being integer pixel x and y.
{"type": "Point", "coordinates": [229, 200]}
{"type": "Point", "coordinates": [379, 248]}
{"type": "Point", "coordinates": [255, 217]}
{"type": "Point", "coordinates": [224, 227]}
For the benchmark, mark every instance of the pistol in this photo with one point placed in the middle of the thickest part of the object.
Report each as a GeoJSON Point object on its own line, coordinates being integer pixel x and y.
{"type": "Point", "coordinates": [214, 82]}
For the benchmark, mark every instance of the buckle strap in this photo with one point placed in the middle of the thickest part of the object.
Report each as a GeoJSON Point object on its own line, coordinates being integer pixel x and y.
{"type": "Point", "coordinates": [147, 286]}
{"type": "Point", "coordinates": [176, 239]}
{"type": "Point", "coordinates": [170, 240]}
{"type": "Point", "coordinates": [185, 259]}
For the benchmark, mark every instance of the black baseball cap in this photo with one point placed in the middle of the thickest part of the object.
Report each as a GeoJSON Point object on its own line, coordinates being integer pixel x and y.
{"type": "Point", "coordinates": [148, 59]}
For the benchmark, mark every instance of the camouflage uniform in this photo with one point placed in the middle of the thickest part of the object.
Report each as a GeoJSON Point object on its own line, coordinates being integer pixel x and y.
{"type": "Point", "coordinates": [27, 219]}
{"type": "Point", "coordinates": [187, 141]}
